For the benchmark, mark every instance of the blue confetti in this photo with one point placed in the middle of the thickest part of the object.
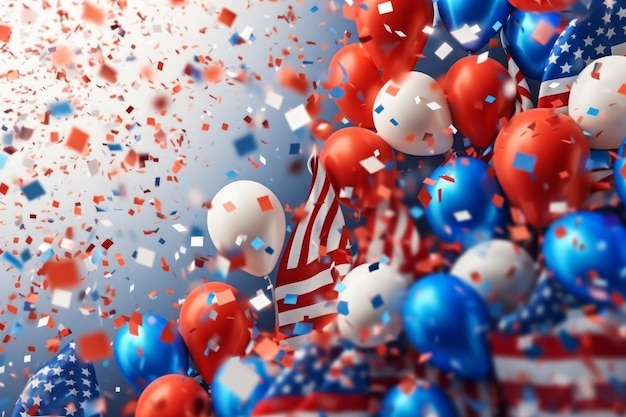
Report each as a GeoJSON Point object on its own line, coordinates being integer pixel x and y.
{"type": "Point", "coordinates": [269, 250]}
{"type": "Point", "coordinates": [61, 109]}
{"type": "Point", "coordinates": [393, 122]}
{"type": "Point", "coordinates": [294, 148]}
{"type": "Point", "coordinates": [379, 109]}
{"type": "Point", "coordinates": [340, 286]}
{"type": "Point", "coordinates": [245, 145]}
{"type": "Point", "coordinates": [490, 99]}
{"type": "Point", "coordinates": [302, 328]}
{"type": "Point", "coordinates": [231, 175]}
{"type": "Point", "coordinates": [568, 341]}
{"type": "Point", "coordinates": [314, 9]}
{"type": "Point", "coordinates": [524, 162]}
{"type": "Point", "coordinates": [342, 308]}
{"type": "Point", "coordinates": [593, 111]}
{"type": "Point", "coordinates": [377, 301]}
{"type": "Point", "coordinates": [337, 92]}
{"type": "Point", "coordinates": [114, 147]}
{"type": "Point", "coordinates": [33, 190]}
{"type": "Point", "coordinates": [291, 299]}
{"type": "Point", "coordinates": [373, 267]}
{"type": "Point", "coordinates": [257, 243]}
{"type": "Point", "coordinates": [12, 260]}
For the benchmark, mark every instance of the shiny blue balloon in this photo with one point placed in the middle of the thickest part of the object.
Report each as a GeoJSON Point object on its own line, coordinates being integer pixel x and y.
{"type": "Point", "coordinates": [446, 317]}
{"type": "Point", "coordinates": [529, 54]}
{"type": "Point", "coordinates": [489, 15]}
{"type": "Point", "coordinates": [144, 357]}
{"type": "Point", "coordinates": [585, 252]}
{"type": "Point", "coordinates": [420, 402]}
{"type": "Point", "coordinates": [462, 206]}
{"type": "Point", "coordinates": [226, 403]}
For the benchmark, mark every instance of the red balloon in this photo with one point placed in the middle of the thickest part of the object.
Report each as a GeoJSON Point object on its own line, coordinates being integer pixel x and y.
{"type": "Point", "coordinates": [543, 5]}
{"type": "Point", "coordinates": [393, 32]}
{"type": "Point", "coordinates": [476, 93]}
{"type": "Point", "coordinates": [343, 157]}
{"type": "Point", "coordinates": [174, 396]}
{"type": "Point", "coordinates": [540, 159]}
{"type": "Point", "coordinates": [214, 316]}
{"type": "Point", "coordinates": [352, 71]}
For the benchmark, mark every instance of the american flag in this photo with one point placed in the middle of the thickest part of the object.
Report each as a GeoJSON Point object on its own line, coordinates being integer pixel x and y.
{"type": "Point", "coordinates": [295, 384]}
{"type": "Point", "coordinates": [64, 386]}
{"type": "Point", "coordinates": [552, 361]}
{"type": "Point", "coordinates": [317, 256]}
{"type": "Point", "coordinates": [345, 391]}
{"type": "Point", "coordinates": [603, 33]}
{"type": "Point", "coordinates": [389, 236]}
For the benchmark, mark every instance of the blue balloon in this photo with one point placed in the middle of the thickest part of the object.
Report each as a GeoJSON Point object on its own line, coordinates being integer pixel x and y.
{"type": "Point", "coordinates": [529, 54]}
{"type": "Point", "coordinates": [462, 204]}
{"type": "Point", "coordinates": [488, 15]}
{"type": "Point", "coordinates": [144, 357]}
{"type": "Point", "coordinates": [446, 317]}
{"type": "Point", "coordinates": [420, 402]}
{"type": "Point", "coordinates": [585, 252]}
{"type": "Point", "coordinates": [226, 403]}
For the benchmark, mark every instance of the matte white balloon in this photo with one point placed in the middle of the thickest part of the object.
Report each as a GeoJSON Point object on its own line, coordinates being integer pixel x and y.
{"type": "Point", "coordinates": [412, 115]}
{"type": "Point", "coordinates": [502, 273]}
{"type": "Point", "coordinates": [373, 301]}
{"type": "Point", "coordinates": [241, 212]}
{"type": "Point", "coordinates": [597, 101]}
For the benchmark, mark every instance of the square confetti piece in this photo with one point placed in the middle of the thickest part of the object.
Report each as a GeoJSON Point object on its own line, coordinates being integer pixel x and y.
{"type": "Point", "coordinates": [373, 267]}
{"type": "Point", "coordinates": [291, 299]}
{"type": "Point", "coordinates": [227, 17]}
{"type": "Point", "coordinates": [342, 308]}
{"type": "Point", "coordinates": [379, 109]}
{"type": "Point", "coordinates": [60, 109]}
{"type": "Point", "coordinates": [297, 117]}
{"type": "Point", "coordinates": [260, 301]}
{"type": "Point", "coordinates": [229, 206]}
{"type": "Point", "coordinates": [62, 273]}
{"type": "Point", "coordinates": [337, 92]}
{"type": "Point", "coordinates": [384, 8]}
{"type": "Point", "coordinates": [61, 298]}
{"type": "Point", "coordinates": [443, 51]}
{"type": "Point", "coordinates": [238, 378]}
{"type": "Point", "coordinates": [302, 328]}
{"type": "Point", "coordinates": [274, 100]}
{"type": "Point", "coordinates": [490, 99]}
{"type": "Point", "coordinates": [245, 145]}
{"type": "Point", "coordinates": [257, 243]}
{"type": "Point", "coordinates": [294, 149]}
{"type": "Point", "coordinates": [524, 162]}
{"type": "Point", "coordinates": [592, 111]}
{"type": "Point", "coordinates": [33, 190]}
{"type": "Point", "coordinates": [145, 257]}
{"type": "Point", "coordinates": [265, 203]}
{"type": "Point", "coordinates": [77, 140]}
{"type": "Point", "coordinates": [465, 34]}
{"type": "Point", "coordinates": [377, 301]}
{"type": "Point", "coordinates": [372, 164]}
{"type": "Point", "coordinates": [94, 346]}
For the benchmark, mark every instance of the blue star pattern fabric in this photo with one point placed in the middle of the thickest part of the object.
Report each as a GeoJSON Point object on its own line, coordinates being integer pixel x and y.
{"type": "Point", "coordinates": [603, 33]}
{"type": "Point", "coordinates": [546, 308]}
{"type": "Point", "coordinates": [64, 386]}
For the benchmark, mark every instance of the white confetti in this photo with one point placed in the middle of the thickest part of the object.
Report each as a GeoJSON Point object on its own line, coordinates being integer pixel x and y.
{"type": "Point", "coordinates": [274, 100]}
{"type": "Point", "coordinates": [443, 51]}
{"type": "Point", "coordinates": [197, 241]}
{"type": "Point", "coordinates": [462, 216]}
{"type": "Point", "coordinates": [260, 301]}
{"type": "Point", "coordinates": [61, 298]}
{"type": "Point", "coordinates": [384, 8]}
{"type": "Point", "coordinates": [238, 378]}
{"type": "Point", "coordinates": [372, 164]}
{"type": "Point", "coordinates": [465, 34]}
{"type": "Point", "coordinates": [297, 117]}
{"type": "Point", "coordinates": [145, 257]}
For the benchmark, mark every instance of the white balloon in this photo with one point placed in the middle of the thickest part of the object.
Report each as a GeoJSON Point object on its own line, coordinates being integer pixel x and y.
{"type": "Point", "coordinates": [502, 273]}
{"type": "Point", "coordinates": [241, 212]}
{"type": "Point", "coordinates": [412, 115]}
{"type": "Point", "coordinates": [597, 102]}
{"type": "Point", "coordinates": [373, 300]}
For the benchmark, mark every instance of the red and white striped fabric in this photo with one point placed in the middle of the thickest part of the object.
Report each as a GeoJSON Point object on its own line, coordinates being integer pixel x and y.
{"type": "Point", "coordinates": [524, 99]}
{"type": "Point", "coordinates": [389, 233]}
{"type": "Point", "coordinates": [587, 381]}
{"type": "Point", "coordinates": [316, 257]}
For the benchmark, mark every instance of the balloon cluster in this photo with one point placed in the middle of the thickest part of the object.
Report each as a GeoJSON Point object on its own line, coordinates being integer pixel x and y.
{"type": "Point", "coordinates": [537, 180]}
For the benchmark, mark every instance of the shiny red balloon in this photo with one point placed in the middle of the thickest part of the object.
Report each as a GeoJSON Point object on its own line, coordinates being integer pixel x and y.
{"type": "Point", "coordinates": [476, 93]}
{"type": "Point", "coordinates": [543, 5]}
{"type": "Point", "coordinates": [540, 159]}
{"type": "Point", "coordinates": [174, 396]}
{"type": "Point", "coordinates": [361, 160]}
{"type": "Point", "coordinates": [393, 32]}
{"type": "Point", "coordinates": [215, 324]}
{"type": "Point", "coordinates": [354, 81]}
